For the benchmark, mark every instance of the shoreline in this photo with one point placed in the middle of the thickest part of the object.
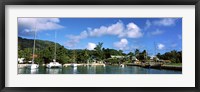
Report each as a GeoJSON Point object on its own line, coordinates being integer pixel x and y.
{"type": "Point", "coordinates": [167, 67]}
{"type": "Point", "coordinates": [64, 65]}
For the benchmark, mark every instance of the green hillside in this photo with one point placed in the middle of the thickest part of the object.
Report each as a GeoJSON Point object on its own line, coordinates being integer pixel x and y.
{"type": "Point", "coordinates": [44, 53]}
{"type": "Point", "coordinates": [28, 43]}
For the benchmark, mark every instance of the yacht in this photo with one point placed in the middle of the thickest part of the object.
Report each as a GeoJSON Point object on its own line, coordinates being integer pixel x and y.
{"type": "Point", "coordinates": [54, 64]}
{"type": "Point", "coordinates": [122, 65]}
{"type": "Point", "coordinates": [33, 65]}
{"type": "Point", "coordinates": [74, 65]}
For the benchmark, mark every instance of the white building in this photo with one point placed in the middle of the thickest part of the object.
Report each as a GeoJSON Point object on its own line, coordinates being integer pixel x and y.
{"type": "Point", "coordinates": [21, 60]}
{"type": "Point", "coordinates": [115, 56]}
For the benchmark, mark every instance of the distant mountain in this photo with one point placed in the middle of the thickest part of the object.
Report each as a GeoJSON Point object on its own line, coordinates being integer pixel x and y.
{"type": "Point", "coordinates": [28, 43]}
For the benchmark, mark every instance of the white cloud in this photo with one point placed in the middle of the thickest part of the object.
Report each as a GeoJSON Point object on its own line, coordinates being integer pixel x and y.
{"type": "Point", "coordinates": [122, 44]}
{"type": "Point", "coordinates": [78, 37]}
{"type": "Point", "coordinates": [118, 29]}
{"type": "Point", "coordinates": [160, 46]}
{"type": "Point", "coordinates": [71, 43]}
{"type": "Point", "coordinates": [114, 29]}
{"type": "Point", "coordinates": [157, 32]}
{"type": "Point", "coordinates": [28, 25]}
{"type": "Point", "coordinates": [165, 22]}
{"type": "Point", "coordinates": [91, 46]}
{"type": "Point", "coordinates": [74, 39]}
{"type": "Point", "coordinates": [148, 24]}
{"type": "Point", "coordinates": [132, 31]}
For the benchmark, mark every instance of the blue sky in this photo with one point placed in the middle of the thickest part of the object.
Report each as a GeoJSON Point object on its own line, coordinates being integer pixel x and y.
{"type": "Point", "coordinates": [127, 34]}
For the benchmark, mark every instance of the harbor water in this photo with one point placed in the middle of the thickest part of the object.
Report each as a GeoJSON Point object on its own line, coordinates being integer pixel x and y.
{"type": "Point", "coordinates": [108, 69]}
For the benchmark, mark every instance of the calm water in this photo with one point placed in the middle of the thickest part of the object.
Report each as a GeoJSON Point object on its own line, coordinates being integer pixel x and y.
{"type": "Point", "coordinates": [96, 70]}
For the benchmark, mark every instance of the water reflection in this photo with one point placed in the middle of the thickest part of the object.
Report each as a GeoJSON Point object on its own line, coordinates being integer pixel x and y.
{"type": "Point", "coordinates": [28, 71]}
{"type": "Point", "coordinates": [74, 70]}
{"type": "Point", "coordinates": [20, 70]}
{"type": "Point", "coordinates": [53, 70]}
{"type": "Point", "coordinates": [33, 71]}
{"type": "Point", "coordinates": [96, 70]}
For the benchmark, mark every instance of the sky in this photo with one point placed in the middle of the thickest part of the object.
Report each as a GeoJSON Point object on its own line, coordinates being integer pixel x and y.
{"type": "Point", "coordinates": [155, 35]}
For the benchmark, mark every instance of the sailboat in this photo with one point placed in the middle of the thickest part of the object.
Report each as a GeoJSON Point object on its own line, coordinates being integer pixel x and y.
{"type": "Point", "coordinates": [33, 66]}
{"type": "Point", "coordinates": [74, 65]}
{"type": "Point", "coordinates": [122, 65]}
{"type": "Point", "coordinates": [54, 64]}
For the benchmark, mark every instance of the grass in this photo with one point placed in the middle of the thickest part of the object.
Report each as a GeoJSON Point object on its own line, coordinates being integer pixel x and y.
{"type": "Point", "coordinates": [174, 64]}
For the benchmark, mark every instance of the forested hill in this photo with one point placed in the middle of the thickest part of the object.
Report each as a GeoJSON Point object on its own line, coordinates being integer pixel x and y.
{"type": "Point", "coordinates": [28, 43]}
{"type": "Point", "coordinates": [44, 53]}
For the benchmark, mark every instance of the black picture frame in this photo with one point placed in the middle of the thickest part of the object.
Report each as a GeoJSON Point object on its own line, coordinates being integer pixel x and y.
{"type": "Point", "coordinates": [3, 3]}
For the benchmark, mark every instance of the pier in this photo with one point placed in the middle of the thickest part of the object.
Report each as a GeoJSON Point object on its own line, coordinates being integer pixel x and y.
{"type": "Point", "coordinates": [157, 66]}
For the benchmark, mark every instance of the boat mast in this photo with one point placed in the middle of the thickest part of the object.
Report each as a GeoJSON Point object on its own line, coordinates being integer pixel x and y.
{"type": "Point", "coordinates": [74, 56]}
{"type": "Point", "coordinates": [34, 44]}
{"type": "Point", "coordinates": [55, 48]}
{"type": "Point", "coordinates": [155, 50]}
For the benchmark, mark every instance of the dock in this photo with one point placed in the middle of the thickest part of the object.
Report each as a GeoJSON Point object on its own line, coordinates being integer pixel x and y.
{"type": "Point", "coordinates": [158, 66]}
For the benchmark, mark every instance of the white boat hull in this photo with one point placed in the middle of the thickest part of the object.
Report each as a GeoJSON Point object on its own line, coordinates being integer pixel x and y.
{"type": "Point", "coordinates": [54, 65]}
{"type": "Point", "coordinates": [33, 66]}
{"type": "Point", "coordinates": [122, 65]}
{"type": "Point", "coordinates": [74, 65]}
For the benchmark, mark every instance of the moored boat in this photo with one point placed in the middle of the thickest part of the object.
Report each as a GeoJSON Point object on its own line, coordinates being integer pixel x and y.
{"type": "Point", "coordinates": [74, 65]}
{"type": "Point", "coordinates": [54, 64]}
{"type": "Point", "coordinates": [122, 65]}
{"type": "Point", "coordinates": [33, 65]}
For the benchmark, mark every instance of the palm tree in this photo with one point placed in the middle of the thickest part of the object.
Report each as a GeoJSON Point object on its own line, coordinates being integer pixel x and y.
{"type": "Point", "coordinates": [86, 56]}
{"type": "Point", "coordinates": [98, 50]}
{"type": "Point", "coordinates": [137, 52]}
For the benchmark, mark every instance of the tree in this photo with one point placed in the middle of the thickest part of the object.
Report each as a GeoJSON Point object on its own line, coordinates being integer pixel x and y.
{"type": "Point", "coordinates": [47, 54]}
{"type": "Point", "coordinates": [86, 55]}
{"type": "Point", "coordinates": [159, 55]}
{"type": "Point", "coordinates": [98, 49]}
{"type": "Point", "coordinates": [120, 52]}
{"type": "Point", "coordinates": [61, 55]}
{"type": "Point", "coordinates": [174, 56]}
{"type": "Point", "coordinates": [74, 56]}
{"type": "Point", "coordinates": [137, 52]}
{"type": "Point", "coordinates": [107, 53]}
{"type": "Point", "coordinates": [27, 53]}
{"type": "Point", "coordinates": [144, 54]}
{"type": "Point", "coordinates": [130, 56]}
